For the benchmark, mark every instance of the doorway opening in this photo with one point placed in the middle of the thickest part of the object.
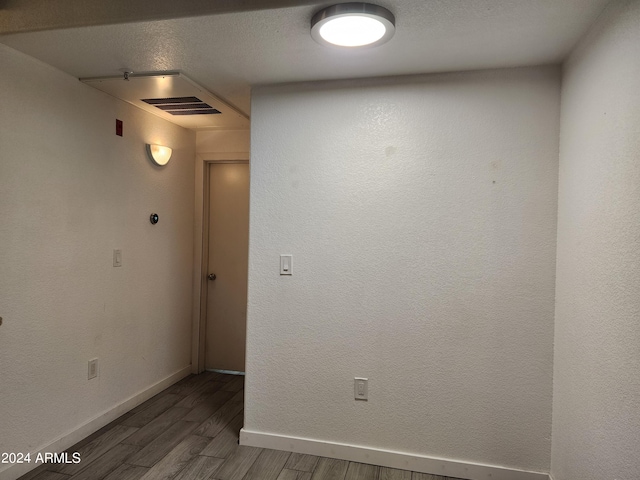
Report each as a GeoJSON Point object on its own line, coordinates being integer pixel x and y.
{"type": "Point", "coordinates": [220, 336]}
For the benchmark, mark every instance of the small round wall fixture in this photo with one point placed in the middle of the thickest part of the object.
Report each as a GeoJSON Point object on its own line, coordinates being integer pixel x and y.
{"type": "Point", "coordinates": [353, 25]}
{"type": "Point", "coordinates": [154, 218]}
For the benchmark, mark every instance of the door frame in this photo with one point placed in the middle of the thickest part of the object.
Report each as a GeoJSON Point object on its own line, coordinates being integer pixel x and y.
{"type": "Point", "coordinates": [201, 250]}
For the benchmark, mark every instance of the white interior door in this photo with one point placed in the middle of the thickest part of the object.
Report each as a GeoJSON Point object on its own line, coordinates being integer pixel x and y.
{"type": "Point", "coordinates": [228, 261]}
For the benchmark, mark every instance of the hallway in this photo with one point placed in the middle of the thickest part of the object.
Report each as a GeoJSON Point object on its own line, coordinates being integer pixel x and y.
{"type": "Point", "coordinates": [190, 432]}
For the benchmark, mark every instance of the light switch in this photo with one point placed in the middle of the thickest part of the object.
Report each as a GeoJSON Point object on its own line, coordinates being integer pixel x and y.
{"type": "Point", "coordinates": [117, 258]}
{"type": "Point", "coordinates": [361, 388]}
{"type": "Point", "coordinates": [286, 264]}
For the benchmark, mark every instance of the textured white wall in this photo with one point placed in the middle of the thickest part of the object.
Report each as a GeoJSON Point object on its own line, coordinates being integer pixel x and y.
{"type": "Point", "coordinates": [596, 408]}
{"type": "Point", "coordinates": [421, 215]}
{"type": "Point", "coordinates": [70, 192]}
{"type": "Point", "coordinates": [222, 141]}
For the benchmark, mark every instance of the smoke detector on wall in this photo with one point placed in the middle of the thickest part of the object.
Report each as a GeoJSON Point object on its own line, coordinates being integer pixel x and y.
{"type": "Point", "coordinates": [172, 96]}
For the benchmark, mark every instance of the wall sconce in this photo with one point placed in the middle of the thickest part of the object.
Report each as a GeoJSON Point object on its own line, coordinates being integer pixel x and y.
{"type": "Point", "coordinates": [159, 154]}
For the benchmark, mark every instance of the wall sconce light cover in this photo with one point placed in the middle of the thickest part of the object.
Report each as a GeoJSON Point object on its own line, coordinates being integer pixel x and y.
{"type": "Point", "coordinates": [159, 154]}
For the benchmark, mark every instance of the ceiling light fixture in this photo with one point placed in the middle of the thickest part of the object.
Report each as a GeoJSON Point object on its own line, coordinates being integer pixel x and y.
{"type": "Point", "coordinates": [159, 154]}
{"type": "Point", "coordinates": [353, 25]}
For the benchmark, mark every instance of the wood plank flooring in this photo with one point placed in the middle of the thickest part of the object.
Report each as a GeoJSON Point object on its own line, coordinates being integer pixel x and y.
{"type": "Point", "coordinates": [190, 432]}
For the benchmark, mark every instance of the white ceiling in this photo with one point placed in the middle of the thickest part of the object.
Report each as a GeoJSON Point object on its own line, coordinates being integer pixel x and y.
{"type": "Point", "coordinates": [229, 53]}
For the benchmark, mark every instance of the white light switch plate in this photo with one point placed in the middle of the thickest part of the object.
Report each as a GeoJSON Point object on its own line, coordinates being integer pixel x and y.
{"type": "Point", "coordinates": [286, 264]}
{"type": "Point", "coordinates": [117, 258]}
{"type": "Point", "coordinates": [93, 369]}
{"type": "Point", "coordinates": [361, 388]}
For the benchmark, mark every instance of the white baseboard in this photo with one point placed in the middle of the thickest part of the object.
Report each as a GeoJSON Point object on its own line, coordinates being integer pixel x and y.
{"type": "Point", "coordinates": [94, 424]}
{"type": "Point", "coordinates": [386, 458]}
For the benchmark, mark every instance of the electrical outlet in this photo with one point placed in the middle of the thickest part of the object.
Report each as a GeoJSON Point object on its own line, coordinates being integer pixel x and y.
{"type": "Point", "coordinates": [361, 388]}
{"type": "Point", "coordinates": [93, 368]}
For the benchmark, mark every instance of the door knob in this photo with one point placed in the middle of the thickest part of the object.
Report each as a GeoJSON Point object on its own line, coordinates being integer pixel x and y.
{"type": "Point", "coordinates": [211, 276]}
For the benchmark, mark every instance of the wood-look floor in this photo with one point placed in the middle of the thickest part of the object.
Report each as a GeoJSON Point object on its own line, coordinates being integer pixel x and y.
{"type": "Point", "coordinates": [190, 432]}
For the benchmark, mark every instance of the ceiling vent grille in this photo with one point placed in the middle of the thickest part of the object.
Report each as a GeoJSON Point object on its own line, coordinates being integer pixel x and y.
{"type": "Point", "coordinates": [174, 97]}
{"type": "Point", "coordinates": [182, 105]}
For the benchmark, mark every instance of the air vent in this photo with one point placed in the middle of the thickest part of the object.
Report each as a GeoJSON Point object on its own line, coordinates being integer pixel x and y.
{"type": "Point", "coordinates": [174, 97]}
{"type": "Point", "coordinates": [182, 106]}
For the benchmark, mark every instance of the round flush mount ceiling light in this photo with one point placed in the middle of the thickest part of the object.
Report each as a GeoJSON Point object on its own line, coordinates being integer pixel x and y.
{"type": "Point", "coordinates": [353, 25]}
